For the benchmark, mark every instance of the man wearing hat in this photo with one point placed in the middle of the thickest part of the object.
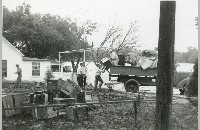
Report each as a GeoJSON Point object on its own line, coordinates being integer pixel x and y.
{"type": "Point", "coordinates": [19, 78]}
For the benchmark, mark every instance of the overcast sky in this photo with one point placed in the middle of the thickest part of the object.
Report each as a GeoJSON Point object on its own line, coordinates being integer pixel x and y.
{"type": "Point", "coordinates": [122, 13]}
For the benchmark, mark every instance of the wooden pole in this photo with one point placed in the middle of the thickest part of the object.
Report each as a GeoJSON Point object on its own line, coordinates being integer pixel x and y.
{"type": "Point", "coordinates": [84, 56]}
{"type": "Point", "coordinates": [135, 104]}
{"type": "Point", "coordinates": [67, 105]}
{"type": "Point", "coordinates": [165, 72]}
{"type": "Point", "coordinates": [59, 64]}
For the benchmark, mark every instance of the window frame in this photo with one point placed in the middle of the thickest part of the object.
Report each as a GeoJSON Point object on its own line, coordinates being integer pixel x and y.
{"type": "Point", "coordinates": [35, 68]}
{"type": "Point", "coordinates": [6, 73]}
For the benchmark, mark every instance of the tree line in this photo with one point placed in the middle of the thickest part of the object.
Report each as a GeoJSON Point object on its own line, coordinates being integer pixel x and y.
{"type": "Point", "coordinates": [187, 57]}
{"type": "Point", "coordinates": [44, 35]}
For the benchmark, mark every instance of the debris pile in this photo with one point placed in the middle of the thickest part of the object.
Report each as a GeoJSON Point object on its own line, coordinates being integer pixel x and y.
{"type": "Point", "coordinates": [145, 59]}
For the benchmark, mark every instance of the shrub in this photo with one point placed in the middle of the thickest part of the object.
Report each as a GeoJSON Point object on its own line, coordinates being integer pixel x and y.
{"type": "Point", "coordinates": [192, 86]}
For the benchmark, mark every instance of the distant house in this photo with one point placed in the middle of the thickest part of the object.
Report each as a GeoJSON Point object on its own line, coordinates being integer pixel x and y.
{"type": "Point", "coordinates": [33, 69]}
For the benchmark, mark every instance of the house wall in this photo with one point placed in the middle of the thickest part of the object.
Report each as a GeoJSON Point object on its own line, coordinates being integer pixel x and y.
{"type": "Point", "coordinates": [13, 58]}
{"type": "Point", "coordinates": [27, 68]}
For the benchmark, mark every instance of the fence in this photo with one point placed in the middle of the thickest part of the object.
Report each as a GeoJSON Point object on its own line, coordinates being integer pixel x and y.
{"type": "Point", "coordinates": [112, 114]}
{"type": "Point", "coordinates": [111, 111]}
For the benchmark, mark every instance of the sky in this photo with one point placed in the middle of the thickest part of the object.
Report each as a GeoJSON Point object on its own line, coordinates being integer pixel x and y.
{"type": "Point", "coordinates": [121, 13]}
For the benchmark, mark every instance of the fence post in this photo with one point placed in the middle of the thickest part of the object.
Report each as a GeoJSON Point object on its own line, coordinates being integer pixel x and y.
{"type": "Point", "coordinates": [135, 105]}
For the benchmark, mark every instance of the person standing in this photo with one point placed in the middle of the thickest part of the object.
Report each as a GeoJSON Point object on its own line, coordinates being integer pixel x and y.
{"type": "Point", "coordinates": [98, 78]}
{"type": "Point", "coordinates": [84, 71]}
{"type": "Point", "coordinates": [19, 78]}
{"type": "Point", "coordinates": [114, 58]}
{"type": "Point", "coordinates": [80, 75]}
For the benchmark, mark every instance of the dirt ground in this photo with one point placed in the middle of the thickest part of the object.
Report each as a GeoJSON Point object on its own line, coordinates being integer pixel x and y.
{"type": "Point", "coordinates": [114, 116]}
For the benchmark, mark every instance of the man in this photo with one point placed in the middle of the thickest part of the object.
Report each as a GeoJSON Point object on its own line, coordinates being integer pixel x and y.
{"type": "Point", "coordinates": [80, 75]}
{"type": "Point", "coordinates": [19, 78]}
{"type": "Point", "coordinates": [98, 77]}
{"type": "Point", "coordinates": [84, 72]}
{"type": "Point", "coordinates": [114, 58]}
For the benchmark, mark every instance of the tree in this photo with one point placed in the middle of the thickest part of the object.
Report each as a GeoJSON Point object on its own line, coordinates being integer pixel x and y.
{"type": "Point", "coordinates": [165, 69]}
{"type": "Point", "coordinates": [44, 35]}
{"type": "Point", "coordinates": [120, 39]}
{"type": "Point", "coordinates": [81, 33]}
{"type": "Point", "coordinates": [31, 35]}
{"type": "Point", "coordinates": [187, 57]}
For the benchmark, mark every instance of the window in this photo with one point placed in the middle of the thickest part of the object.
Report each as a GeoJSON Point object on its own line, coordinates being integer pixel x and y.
{"type": "Point", "coordinates": [67, 69]}
{"type": "Point", "coordinates": [55, 68]}
{"type": "Point", "coordinates": [35, 68]}
{"type": "Point", "coordinates": [4, 68]}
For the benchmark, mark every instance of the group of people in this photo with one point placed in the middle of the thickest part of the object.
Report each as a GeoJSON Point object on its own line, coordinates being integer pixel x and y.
{"type": "Point", "coordinates": [82, 76]}
{"type": "Point", "coordinates": [82, 72]}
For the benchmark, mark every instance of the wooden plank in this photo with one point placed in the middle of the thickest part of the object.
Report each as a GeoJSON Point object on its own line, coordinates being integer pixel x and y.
{"type": "Point", "coordinates": [41, 113]}
{"type": "Point", "coordinates": [51, 113]}
{"type": "Point", "coordinates": [70, 113]}
{"type": "Point", "coordinates": [11, 104]}
{"type": "Point", "coordinates": [17, 101]}
{"type": "Point", "coordinates": [7, 114]}
{"type": "Point", "coordinates": [8, 105]}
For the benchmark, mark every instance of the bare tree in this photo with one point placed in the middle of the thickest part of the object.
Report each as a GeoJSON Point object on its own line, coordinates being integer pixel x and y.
{"type": "Point", "coordinates": [128, 39]}
{"type": "Point", "coordinates": [120, 38]}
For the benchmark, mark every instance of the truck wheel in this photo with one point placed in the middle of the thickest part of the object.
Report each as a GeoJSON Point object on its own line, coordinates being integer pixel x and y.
{"type": "Point", "coordinates": [132, 85]}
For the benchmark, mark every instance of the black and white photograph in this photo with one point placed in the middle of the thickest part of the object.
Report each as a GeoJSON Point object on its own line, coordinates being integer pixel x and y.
{"type": "Point", "coordinates": [99, 65]}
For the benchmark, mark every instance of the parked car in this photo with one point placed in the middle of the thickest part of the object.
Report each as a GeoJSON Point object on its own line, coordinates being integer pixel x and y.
{"type": "Point", "coordinates": [182, 76]}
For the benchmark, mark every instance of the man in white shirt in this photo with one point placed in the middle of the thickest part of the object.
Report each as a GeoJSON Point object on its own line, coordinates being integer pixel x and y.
{"type": "Point", "coordinates": [84, 72]}
{"type": "Point", "coordinates": [98, 78]}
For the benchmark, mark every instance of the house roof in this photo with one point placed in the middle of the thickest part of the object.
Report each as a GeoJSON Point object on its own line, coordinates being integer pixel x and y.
{"type": "Point", "coordinates": [19, 52]}
{"type": "Point", "coordinates": [55, 62]}
{"type": "Point", "coordinates": [10, 45]}
{"type": "Point", "coordinates": [33, 59]}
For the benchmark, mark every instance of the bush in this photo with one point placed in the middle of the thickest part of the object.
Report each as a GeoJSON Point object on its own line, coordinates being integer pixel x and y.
{"type": "Point", "coordinates": [192, 86]}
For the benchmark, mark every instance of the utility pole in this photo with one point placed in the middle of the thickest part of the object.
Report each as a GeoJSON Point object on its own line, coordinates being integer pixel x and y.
{"type": "Point", "coordinates": [165, 72]}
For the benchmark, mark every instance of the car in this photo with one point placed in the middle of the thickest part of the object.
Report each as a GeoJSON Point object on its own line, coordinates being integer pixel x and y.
{"type": "Point", "coordinates": [182, 85]}
{"type": "Point", "coordinates": [182, 76]}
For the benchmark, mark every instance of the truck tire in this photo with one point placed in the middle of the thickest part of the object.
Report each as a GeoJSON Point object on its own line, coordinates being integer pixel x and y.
{"type": "Point", "coordinates": [132, 85]}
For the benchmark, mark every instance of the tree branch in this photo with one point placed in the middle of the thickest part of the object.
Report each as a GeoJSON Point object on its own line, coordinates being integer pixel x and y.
{"type": "Point", "coordinates": [121, 45]}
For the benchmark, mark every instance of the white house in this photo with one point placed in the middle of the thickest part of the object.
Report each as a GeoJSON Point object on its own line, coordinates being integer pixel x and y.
{"type": "Point", "coordinates": [33, 69]}
{"type": "Point", "coordinates": [10, 57]}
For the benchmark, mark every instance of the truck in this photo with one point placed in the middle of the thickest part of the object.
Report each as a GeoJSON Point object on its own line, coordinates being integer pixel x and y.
{"type": "Point", "coordinates": [133, 77]}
